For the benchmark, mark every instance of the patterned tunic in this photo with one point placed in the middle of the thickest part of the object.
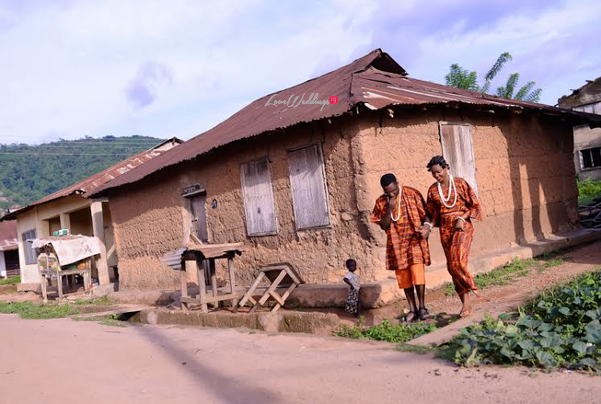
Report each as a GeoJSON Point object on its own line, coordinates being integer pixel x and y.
{"type": "Point", "coordinates": [404, 245]}
{"type": "Point", "coordinates": [456, 244]}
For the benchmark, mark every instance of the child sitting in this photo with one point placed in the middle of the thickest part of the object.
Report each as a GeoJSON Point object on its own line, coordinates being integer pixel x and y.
{"type": "Point", "coordinates": [353, 304]}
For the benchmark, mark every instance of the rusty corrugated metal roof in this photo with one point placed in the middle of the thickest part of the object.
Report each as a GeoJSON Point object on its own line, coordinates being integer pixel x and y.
{"type": "Point", "coordinates": [375, 80]}
{"type": "Point", "coordinates": [8, 236]}
{"type": "Point", "coordinates": [88, 186]}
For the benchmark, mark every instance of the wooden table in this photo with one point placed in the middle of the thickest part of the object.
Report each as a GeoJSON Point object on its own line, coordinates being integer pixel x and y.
{"type": "Point", "coordinates": [46, 274]}
{"type": "Point", "coordinates": [200, 258]}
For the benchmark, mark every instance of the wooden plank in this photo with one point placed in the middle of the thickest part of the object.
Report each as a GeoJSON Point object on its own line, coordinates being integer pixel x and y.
{"type": "Point", "coordinates": [199, 215]}
{"type": "Point", "coordinates": [272, 287]}
{"type": "Point", "coordinates": [202, 287]}
{"type": "Point", "coordinates": [457, 147]}
{"type": "Point", "coordinates": [309, 189]}
{"type": "Point", "coordinates": [276, 297]}
{"type": "Point", "coordinates": [248, 295]}
{"type": "Point", "coordinates": [284, 297]}
{"type": "Point", "coordinates": [213, 270]}
{"type": "Point", "coordinates": [257, 192]}
{"type": "Point", "coordinates": [230, 265]}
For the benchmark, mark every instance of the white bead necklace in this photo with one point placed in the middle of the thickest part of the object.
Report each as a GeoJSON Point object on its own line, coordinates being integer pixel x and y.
{"type": "Point", "coordinates": [448, 197]}
{"type": "Point", "coordinates": [398, 206]}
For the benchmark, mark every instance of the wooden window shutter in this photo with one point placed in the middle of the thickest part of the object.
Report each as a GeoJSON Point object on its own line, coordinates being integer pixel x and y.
{"type": "Point", "coordinates": [458, 151]}
{"type": "Point", "coordinates": [30, 255]}
{"type": "Point", "coordinates": [309, 191]}
{"type": "Point", "coordinates": [257, 192]}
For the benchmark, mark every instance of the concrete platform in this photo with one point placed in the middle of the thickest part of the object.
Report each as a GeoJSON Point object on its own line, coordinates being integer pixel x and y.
{"type": "Point", "coordinates": [281, 321]}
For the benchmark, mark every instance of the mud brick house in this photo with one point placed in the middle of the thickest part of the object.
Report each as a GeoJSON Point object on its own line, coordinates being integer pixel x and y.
{"type": "Point", "coordinates": [73, 208]}
{"type": "Point", "coordinates": [587, 141]}
{"type": "Point", "coordinates": [298, 181]}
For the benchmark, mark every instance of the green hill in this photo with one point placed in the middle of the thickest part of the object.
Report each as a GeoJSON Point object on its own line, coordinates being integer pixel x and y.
{"type": "Point", "coordinates": [28, 173]}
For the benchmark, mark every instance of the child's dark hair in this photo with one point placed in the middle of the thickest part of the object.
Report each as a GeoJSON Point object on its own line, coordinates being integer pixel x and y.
{"type": "Point", "coordinates": [437, 160]}
{"type": "Point", "coordinates": [387, 179]}
{"type": "Point", "coordinates": [350, 261]}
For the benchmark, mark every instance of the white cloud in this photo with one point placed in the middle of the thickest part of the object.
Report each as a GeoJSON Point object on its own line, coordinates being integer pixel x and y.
{"type": "Point", "coordinates": [69, 67]}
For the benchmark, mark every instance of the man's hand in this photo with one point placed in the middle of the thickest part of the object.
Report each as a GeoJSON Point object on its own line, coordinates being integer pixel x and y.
{"type": "Point", "coordinates": [459, 224]}
{"type": "Point", "coordinates": [425, 231]}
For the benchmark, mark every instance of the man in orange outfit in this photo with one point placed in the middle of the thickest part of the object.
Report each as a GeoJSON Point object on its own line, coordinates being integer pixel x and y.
{"type": "Point", "coordinates": [401, 212]}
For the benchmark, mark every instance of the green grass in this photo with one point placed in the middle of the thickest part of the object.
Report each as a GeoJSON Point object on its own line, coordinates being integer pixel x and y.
{"type": "Point", "coordinates": [98, 301]}
{"type": "Point", "coordinates": [509, 272]}
{"type": "Point", "coordinates": [34, 311]}
{"type": "Point", "coordinates": [560, 328]}
{"type": "Point", "coordinates": [386, 331]}
{"type": "Point", "coordinates": [418, 349]}
{"type": "Point", "coordinates": [10, 281]}
{"type": "Point", "coordinates": [588, 190]}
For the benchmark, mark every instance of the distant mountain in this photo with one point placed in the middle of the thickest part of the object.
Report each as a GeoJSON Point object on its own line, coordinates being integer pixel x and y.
{"type": "Point", "coordinates": [28, 173]}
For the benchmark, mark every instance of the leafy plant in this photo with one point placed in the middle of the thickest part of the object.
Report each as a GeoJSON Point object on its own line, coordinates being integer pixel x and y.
{"type": "Point", "coordinates": [386, 331]}
{"type": "Point", "coordinates": [559, 328]}
{"type": "Point", "coordinates": [588, 190]}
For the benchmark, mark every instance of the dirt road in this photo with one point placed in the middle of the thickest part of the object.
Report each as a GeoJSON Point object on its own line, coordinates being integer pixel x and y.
{"type": "Point", "coordinates": [64, 361]}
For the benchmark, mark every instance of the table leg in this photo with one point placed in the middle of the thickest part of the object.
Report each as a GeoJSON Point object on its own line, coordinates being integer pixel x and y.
{"type": "Point", "coordinates": [230, 264]}
{"type": "Point", "coordinates": [214, 281]}
{"type": "Point", "coordinates": [202, 287]}
{"type": "Point", "coordinates": [59, 281]}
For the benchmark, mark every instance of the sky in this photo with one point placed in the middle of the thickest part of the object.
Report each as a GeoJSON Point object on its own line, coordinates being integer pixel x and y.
{"type": "Point", "coordinates": [71, 69]}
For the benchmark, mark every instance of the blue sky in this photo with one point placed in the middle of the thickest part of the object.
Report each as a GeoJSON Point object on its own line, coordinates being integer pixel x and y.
{"type": "Point", "coordinates": [94, 68]}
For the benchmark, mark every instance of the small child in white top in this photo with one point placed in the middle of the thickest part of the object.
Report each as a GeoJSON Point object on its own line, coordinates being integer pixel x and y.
{"type": "Point", "coordinates": [353, 304]}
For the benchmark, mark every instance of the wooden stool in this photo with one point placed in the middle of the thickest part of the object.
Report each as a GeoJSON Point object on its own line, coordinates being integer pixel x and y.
{"type": "Point", "coordinates": [280, 276]}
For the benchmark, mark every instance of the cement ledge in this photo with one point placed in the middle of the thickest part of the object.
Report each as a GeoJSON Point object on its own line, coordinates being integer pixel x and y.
{"type": "Point", "coordinates": [281, 321]}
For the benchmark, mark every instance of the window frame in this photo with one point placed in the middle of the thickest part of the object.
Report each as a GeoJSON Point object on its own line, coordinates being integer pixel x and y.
{"type": "Point", "coordinates": [581, 157]}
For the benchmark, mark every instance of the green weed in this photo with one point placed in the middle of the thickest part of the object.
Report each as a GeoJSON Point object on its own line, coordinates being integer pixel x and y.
{"type": "Point", "coordinates": [98, 301]}
{"type": "Point", "coordinates": [10, 281]}
{"type": "Point", "coordinates": [588, 190]}
{"type": "Point", "coordinates": [386, 331]}
{"type": "Point", "coordinates": [34, 311]}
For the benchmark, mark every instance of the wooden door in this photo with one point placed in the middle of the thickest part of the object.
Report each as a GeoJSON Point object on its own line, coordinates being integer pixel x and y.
{"type": "Point", "coordinates": [199, 216]}
{"type": "Point", "coordinates": [458, 151]}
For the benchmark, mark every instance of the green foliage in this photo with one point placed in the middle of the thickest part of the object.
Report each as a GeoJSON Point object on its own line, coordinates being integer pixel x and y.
{"type": "Point", "coordinates": [588, 190]}
{"type": "Point", "coordinates": [386, 331]}
{"type": "Point", "coordinates": [468, 80]}
{"type": "Point", "coordinates": [34, 311]}
{"type": "Point", "coordinates": [10, 281]}
{"type": "Point", "coordinates": [559, 328]}
{"type": "Point", "coordinates": [28, 173]}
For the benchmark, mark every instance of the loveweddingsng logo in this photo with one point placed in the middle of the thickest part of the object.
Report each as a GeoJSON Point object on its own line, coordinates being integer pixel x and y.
{"type": "Point", "coordinates": [294, 102]}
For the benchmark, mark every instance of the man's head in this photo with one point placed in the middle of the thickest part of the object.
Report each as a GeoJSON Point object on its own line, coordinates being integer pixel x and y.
{"type": "Point", "coordinates": [351, 265]}
{"type": "Point", "coordinates": [390, 185]}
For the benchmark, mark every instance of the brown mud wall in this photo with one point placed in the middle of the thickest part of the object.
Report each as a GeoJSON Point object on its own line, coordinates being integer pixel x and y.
{"type": "Point", "coordinates": [524, 172]}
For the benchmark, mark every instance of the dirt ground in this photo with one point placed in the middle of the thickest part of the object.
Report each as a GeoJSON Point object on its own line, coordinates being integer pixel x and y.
{"type": "Point", "coordinates": [65, 361]}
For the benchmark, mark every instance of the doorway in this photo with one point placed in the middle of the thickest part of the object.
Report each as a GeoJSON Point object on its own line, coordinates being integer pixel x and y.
{"type": "Point", "coordinates": [199, 216]}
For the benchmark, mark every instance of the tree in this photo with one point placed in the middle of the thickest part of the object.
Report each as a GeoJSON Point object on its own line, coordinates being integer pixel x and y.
{"type": "Point", "coordinates": [468, 80]}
